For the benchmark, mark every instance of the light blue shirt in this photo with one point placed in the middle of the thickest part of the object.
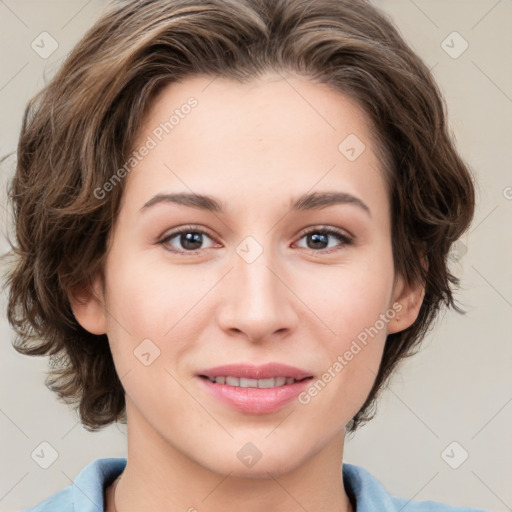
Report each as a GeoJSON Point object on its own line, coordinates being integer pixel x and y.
{"type": "Point", "coordinates": [86, 492]}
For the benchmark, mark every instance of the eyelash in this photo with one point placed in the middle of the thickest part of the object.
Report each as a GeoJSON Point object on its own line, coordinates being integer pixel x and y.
{"type": "Point", "coordinates": [345, 240]}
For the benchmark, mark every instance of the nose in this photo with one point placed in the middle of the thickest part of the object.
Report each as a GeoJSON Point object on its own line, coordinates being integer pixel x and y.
{"type": "Point", "coordinates": [258, 301]}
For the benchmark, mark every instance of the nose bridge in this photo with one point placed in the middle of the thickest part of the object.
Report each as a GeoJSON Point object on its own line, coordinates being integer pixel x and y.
{"type": "Point", "coordinates": [258, 284]}
{"type": "Point", "coordinates": [258, 302]}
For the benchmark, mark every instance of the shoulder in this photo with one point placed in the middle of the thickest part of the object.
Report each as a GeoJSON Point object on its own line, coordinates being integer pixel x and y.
{"type": "Point", "coordinates": [370, 495]}
{"type": "Point", "coordinates": [86, 492]}
{"type": "Point", "coordinates": [429, 506]}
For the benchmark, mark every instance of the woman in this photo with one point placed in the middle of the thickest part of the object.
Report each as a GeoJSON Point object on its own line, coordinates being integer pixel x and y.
{"type": "Point", "coordinates": [233, 219]}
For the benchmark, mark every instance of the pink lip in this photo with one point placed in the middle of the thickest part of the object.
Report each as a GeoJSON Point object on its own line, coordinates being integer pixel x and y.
{"type": "Point", "coordinates": [255, 400]}
{"type": "Point", "coordinates": [250, 371]}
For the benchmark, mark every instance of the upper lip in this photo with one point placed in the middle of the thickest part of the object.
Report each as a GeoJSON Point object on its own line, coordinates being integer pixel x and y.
{"type": "Point", "coordinates": [250, 371]}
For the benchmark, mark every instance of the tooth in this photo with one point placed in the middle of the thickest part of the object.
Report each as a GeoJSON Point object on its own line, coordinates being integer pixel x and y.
{"type": "Point", "coordinates": [248, 383]}
{"type": "Point", "coordinates": [266, 383]}
{"type": "Point", "coordinates": [243, 382]}
{"type": "Point", "coordinates": [233, 381]}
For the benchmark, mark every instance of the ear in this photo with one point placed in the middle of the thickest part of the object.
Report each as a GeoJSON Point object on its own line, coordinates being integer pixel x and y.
{"type": "Point", "coordinates": [410, 298]}
{"type": "Point", "coordinates": [88, 304]}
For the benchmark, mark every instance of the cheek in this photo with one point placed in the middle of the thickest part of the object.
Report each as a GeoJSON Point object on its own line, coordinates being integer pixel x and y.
{"type": "Point", "coordinates": [356, 308]}
{"type": "Point", "coordinates": [147, 297]}
{"type": "Point", "coordinates": [356, 349]}
{"type": "Point", "coordinates": [152, 308]}
{"type": "Point", "coordinates": [351, 357]}
{"type": "Point", "coordinates": [134, 303]}
{"type": "Point", "coordinates": [354, 299]}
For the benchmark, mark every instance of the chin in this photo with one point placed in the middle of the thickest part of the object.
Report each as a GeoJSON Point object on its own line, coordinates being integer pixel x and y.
{"type": "Point", "coordinates": [265, 464]}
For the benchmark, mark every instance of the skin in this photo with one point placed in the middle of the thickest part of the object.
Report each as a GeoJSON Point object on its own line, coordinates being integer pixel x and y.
{"type": "Point", "coordinates": [255, 147]}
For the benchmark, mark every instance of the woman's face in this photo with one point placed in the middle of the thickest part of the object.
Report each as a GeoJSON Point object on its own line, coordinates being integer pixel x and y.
{"type": "Point", "coordinates": [254, 280]}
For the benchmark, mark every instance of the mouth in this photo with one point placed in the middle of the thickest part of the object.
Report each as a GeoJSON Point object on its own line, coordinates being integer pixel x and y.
{"type": "Point", "coordinates": [247, 373]}
{"type": "Point", "coordinates": [254, 389]}
{"type": "Point", "coordinates": [243, 382]}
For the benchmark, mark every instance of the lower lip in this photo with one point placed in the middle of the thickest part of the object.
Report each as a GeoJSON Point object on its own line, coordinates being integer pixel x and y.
{"type": "Point", "coordinates": [255, 400]}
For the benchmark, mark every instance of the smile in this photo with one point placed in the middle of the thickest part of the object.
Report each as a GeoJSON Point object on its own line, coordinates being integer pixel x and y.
{"type": "Point", "coordinates": [273, 382]}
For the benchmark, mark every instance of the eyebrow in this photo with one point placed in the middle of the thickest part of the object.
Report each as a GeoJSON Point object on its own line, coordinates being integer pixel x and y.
{"type": "Point", "coordinates": [306, 202]}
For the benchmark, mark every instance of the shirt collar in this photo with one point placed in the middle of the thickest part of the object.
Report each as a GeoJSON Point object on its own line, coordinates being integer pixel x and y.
{"type": "Point", "coordinates": [88, 487]}
{"type": "Point", "coordinates": [369, 494]}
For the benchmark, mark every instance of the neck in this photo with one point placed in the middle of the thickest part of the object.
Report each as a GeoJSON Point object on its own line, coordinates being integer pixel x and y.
{"type": "Point", "coordinates": [160, 477]}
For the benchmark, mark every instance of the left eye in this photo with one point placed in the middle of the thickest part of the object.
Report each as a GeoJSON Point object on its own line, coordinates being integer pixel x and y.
{"type": "Point", "coordinates": [321, 236]}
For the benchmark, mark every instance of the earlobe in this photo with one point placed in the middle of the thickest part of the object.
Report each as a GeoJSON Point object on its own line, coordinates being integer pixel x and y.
{"type": "Point", "coordinates": [87, 303]}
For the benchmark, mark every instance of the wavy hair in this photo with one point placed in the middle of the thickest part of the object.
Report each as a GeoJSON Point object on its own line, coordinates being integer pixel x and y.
{"type": "Point", "coordinates": [80, 128]}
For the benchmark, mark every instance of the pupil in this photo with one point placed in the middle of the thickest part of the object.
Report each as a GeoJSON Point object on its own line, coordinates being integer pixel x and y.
{"type": "Point", "coordinates": [191, 238]}
{"type": "Point", "coordinates": [318, 238]}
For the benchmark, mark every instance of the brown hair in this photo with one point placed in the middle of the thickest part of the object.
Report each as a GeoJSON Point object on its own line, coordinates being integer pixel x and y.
{"type": "Point", "coordinates": [81, 127]}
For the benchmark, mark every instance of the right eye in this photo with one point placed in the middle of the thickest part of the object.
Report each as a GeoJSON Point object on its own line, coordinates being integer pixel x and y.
{"type": "Point", "coordinates": [190, 238]}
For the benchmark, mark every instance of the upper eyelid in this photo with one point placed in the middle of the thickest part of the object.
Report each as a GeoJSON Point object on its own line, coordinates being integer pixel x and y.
{"type": "Point", "coordinates": [320, 227]}
{"type": "Point", "coordinates": [302, 232]}
{"type": "Point", "coordinates": [187, 229]}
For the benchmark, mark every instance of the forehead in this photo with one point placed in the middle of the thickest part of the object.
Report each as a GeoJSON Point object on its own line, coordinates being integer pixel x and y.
{"type": "Point", "coordinates": [278, 136]}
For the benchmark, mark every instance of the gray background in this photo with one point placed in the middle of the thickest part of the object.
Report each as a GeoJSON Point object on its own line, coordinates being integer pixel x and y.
{"type": "Point", "coordinates": [458, 389]}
